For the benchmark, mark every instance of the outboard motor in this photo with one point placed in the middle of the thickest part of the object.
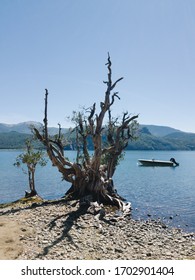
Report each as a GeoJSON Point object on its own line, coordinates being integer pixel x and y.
{"type": "Point", "coordinates": [174, 161]}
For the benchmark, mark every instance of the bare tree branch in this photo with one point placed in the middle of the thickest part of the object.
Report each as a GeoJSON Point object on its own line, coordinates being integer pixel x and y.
{"type": "Point", "coordinates": [45, 121]}
{"type": "Point", "coordinates": [89, 174]}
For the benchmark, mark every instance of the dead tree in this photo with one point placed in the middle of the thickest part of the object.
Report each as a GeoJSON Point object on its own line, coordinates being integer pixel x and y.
{"type": "Point", "coordinates": [92, 174]}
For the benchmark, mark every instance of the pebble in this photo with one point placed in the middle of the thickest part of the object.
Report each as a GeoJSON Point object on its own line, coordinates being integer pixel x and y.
{"type": "Point", "coordinates": [60, 232]}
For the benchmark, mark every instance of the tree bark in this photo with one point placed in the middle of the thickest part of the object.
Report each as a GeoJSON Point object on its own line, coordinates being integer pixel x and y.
{"type": "Point", "coordinates": [90, 176]}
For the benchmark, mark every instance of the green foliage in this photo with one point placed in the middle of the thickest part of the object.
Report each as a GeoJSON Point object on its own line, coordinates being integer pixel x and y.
{"type": "Point", "coordinates": [31, 157]}
{"type": "Point", "coordinates": [107, 157]}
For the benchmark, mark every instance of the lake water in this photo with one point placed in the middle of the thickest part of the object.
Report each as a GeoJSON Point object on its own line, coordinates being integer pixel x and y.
{"type": "Point", "coordinates": [165, 193]}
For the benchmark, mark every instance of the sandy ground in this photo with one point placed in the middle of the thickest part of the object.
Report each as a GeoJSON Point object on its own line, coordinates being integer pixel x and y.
{"type": "Point", "coordinates": [10, 234]}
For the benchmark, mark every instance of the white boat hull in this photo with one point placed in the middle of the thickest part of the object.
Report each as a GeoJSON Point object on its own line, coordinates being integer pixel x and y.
{"type": "Point", "coordinates": [153, 162]}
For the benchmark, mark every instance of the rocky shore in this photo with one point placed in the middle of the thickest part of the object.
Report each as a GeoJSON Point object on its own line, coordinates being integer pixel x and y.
{"type": "Point", "coordinates": [66, 230]}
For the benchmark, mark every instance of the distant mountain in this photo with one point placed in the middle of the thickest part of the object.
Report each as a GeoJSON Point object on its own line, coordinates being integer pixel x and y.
{"type": "Point", "coordinates": [13, 140]}
{"type": "Point", "coordinates": [151, 137]}
{"type": "Point", "coordinates": [159, 131]}
{"type": "Point", "coordinates": [182, 139]}
{"type": "Point", "coordinates": [25, 127]}
{"type": "Point", "coordinates": [154, 137]}
{"type": "Point", "coordinates": [55, 130]}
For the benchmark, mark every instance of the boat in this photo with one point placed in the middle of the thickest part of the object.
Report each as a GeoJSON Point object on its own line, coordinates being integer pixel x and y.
{"type": "Point", "coordinates": [155, 162]}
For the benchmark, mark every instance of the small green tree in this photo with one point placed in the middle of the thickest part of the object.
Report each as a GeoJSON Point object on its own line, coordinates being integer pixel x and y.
{"type": "Point", "coordinates": [30, 158]}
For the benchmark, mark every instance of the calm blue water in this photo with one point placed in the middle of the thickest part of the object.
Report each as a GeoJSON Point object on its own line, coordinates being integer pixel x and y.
{"type": "Point", "coordinates": [155, 192]}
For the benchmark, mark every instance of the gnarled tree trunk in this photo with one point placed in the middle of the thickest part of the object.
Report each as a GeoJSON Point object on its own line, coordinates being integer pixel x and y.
{"type": "Point", "coordinates": [92, 175]}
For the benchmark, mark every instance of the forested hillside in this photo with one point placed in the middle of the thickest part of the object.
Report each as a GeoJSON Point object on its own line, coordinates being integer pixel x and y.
{"type": "Point", "coordinates": [150, 137]}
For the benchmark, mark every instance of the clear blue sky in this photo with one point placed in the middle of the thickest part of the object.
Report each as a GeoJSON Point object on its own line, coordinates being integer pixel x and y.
{"type": "Point", "coordinates": [62, 45]}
